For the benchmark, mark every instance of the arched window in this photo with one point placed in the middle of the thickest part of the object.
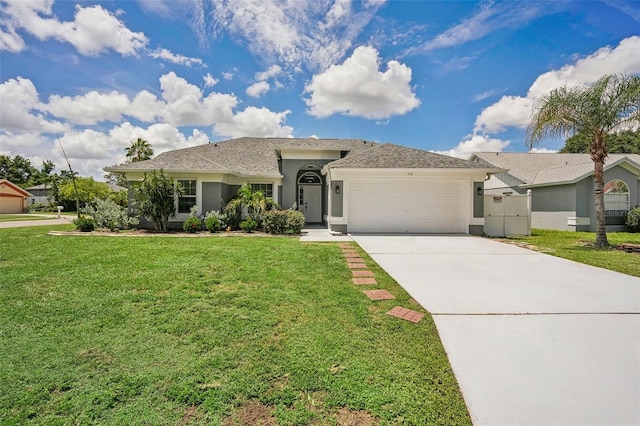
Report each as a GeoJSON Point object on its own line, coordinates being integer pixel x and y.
{"type": "Point", "coordinates": [310, 178]}
{"type": "Point", "coordinates": [616, 196]}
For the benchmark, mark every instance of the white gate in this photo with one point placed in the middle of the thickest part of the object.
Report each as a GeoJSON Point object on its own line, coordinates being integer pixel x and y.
{"type": "Point", "coordinates": [507, 215]}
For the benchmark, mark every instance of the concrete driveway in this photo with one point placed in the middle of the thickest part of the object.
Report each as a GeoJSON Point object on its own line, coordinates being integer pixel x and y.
{"type": "Point", "coordinates": [532, 339]}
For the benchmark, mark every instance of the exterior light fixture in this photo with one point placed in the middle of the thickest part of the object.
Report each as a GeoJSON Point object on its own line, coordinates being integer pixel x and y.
{"type": "Point", "coordinates": [479, 190]}
{"type": "Point", "coordinates": [337, 189]}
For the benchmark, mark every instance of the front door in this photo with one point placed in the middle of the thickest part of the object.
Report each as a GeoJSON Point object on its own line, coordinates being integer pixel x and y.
{"type": "Point", "coordinates": [310, 202]}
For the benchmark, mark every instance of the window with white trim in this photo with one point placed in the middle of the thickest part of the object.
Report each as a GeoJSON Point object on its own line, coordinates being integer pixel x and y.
{"type": "Point", "coordinates": [616, 196]}
{"type": "Point", "coordinates": [265, 188]}
{"type": "Point", "coordinates": [188, 198]}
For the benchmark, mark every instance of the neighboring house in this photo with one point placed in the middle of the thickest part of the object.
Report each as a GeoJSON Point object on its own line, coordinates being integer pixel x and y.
{"type": "Point", "coordinates": [13, 199]}
{"type": "Point", "coordinates": [40, 194]}
{"type": "Point", "coordinates": [562, 186]}
{"type": "Point", "coordinates": [348, 184]}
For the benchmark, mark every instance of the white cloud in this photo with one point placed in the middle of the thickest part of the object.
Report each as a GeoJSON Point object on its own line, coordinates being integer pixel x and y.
{"type": "Point", "coordinates": [508, 111]}
{"type": "Point", "coordinates": [515, 111]}
{"type": "Point", "coordinates": [86, 145]}
{"type": "Point", "coordinates": [10, 40]}
{"type": "Point", "coordinates": [491, 17]}
{"type": "Point", "coordinates": [19, 106]}
{"type": "Point", "coordinates": [484, 95]}
{"type": "Point", "coordinates": [25, 122]}
{"type": "Point", "coordinates": [90, 108]}
{"type": "Point", "coordinates": [257, 122]}
{"type": "Point", "coordinates": [476, 143]}
{"type": "Point", "coordinates": [93, 30]}
{"type": "Point", "coordinates": [145, 107]}
{"type": "Point", "coordinates": [340, 10]}
{"type": "Point", "coordinates": [186, 106]}
{"type": "Point", "coordinates": [291, 33]}
{"type": "Point", "coordinates": [227, 75]}
{"type": "Point", "coordinates": [169, 56]}
{"type": "Point", "coordinates": [358, 88]}
{"type": "Point", "coordinates": [543, 151]}
{"type": "Point", "coordinates": [162, 137]}
{"type": "Point", "coordinates": [374, 3]}
{"type": "Point", "coordinates": [209, 80]}
{"type": "Point", "coordinates": [273, 71]}
{"type": "Point", "coordinates": [258, 89]}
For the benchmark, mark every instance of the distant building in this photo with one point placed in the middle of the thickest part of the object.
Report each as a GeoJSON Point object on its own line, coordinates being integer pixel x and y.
{"type": "Point", "coordinates": [13, 199]}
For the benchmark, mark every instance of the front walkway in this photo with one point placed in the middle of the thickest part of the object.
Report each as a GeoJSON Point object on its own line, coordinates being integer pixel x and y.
{"type": "Point", "coordinates": [317, 233]}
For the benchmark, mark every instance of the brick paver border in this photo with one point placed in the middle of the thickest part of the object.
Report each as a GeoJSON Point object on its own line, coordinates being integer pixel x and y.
{"type": "Point", "coordinates": [364, 281]}
{"type": "Point", "coordinates": [406, 314]}
{"type": "Point", "coordinates": [379, 295]}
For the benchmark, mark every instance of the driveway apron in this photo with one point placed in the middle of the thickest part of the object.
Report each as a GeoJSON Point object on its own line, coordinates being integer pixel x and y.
{"type": "Point", "coordinates": [532, 339]}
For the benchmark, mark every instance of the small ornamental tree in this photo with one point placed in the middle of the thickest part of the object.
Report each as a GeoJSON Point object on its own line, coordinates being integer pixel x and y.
{"type": "Point", "coordinates": [155, 198]}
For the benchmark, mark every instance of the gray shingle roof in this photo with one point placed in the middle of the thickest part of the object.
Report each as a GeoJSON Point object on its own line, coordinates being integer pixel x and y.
{"type": "Point", "coordinates": [391, 156]}
{"type": "Point", "coordinates": [242, 157]}
{"type": "Point", "coordinates": [259, 157]}
{"type": "Point", "coordinates": [546, 168]}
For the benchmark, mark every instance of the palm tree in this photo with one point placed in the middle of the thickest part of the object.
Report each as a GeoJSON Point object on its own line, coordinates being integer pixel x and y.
{"type": "Point", "coordinates": [139, 150]}
{"type": "Point", "coordinates": [609, 105]}
{"type": "Point", "coordinates": [255, 203]}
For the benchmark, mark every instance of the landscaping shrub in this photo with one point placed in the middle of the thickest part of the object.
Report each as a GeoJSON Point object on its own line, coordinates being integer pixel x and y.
{"type": "Point", "coordinates": [39, 207]}
{"type": "Point", "coordinates": [248, 225]}
{"type": "Point", "coordinates": [84, 224]}
{"type": "Point", "coordinates": [193, 222]}
{"type": "Point", "coordinates": [155, 198]}
{"type": "Point", "coordinates": [215, 221]}
{"type": "Point", "coordinates": [107, 214]}
{"type": "Point", "coordinates": [283, 221]}
{"type": "Point", "coordinates": [633, 220]}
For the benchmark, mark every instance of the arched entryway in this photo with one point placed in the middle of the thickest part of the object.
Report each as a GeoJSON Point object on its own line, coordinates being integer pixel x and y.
{"type": "Point", "coordinates": [310, 195]}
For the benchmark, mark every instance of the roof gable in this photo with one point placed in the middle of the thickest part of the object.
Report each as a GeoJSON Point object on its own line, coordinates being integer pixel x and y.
{"type": "Point", "coordinates": [550, 168]}
{"type": "Point", "coordinates": [242, 156]}
{"type": "Point", "coordinates": [13, 187]}
{"type": "Point", "coordinates": [391, 156]}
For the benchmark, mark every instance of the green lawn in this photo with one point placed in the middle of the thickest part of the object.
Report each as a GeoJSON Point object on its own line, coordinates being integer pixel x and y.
{"type": "Point", "coordinates": [578, 246]}
{"type": "Point", "coordinates": [98, 330]}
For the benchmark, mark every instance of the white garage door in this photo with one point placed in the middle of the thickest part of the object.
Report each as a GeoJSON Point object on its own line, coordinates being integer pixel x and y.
{"type": "Point", "coordinates": [428, 206]}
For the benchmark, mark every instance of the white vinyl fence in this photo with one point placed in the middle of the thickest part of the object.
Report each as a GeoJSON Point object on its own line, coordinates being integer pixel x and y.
{"type": "Point", "coordinates": [507, 215]}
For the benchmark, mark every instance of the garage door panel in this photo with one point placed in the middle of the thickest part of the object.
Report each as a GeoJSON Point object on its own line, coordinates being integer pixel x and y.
{"type": "Point", "coordinates": [408, 206]}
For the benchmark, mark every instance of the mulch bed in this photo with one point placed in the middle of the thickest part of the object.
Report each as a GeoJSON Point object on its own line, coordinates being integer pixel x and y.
{"type": "Point", "coordinates": [630, 248]}
{"type": "Point", "coordinates": [151, 233]}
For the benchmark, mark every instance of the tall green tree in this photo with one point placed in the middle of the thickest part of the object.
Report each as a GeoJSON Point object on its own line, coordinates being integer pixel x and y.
{"type": "Point", "coordinates": [88, 191]}
{"type": "Point", "coordinates": [18, 170]}
{"type": "Point", "coordinates": [610, 104]}
{"type": "Point", "coordinates": [155, 198]}
{"type": "Point", "coordinates": [139, 150]}
{"type": "Point", "coordinates": [625, 142]}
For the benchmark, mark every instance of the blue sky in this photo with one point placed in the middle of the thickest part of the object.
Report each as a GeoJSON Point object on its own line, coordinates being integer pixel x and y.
{"type": "Point", "coordinates": [451, 77]}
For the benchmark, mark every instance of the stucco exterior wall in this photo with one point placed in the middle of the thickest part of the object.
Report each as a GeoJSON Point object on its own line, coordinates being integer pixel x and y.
{"type": "Point", "coordinates": [290, 169]}
{"type": "Point", "coordinates": [554, 198]}
{"type": "Point", "coordinates": [552, 220]}
{"type": "Point", "coordinates": [587, 197]}
{"type": "Point", "coordinates": [220, 195]}
{"type": "Point", "coordinates": [337, 199]}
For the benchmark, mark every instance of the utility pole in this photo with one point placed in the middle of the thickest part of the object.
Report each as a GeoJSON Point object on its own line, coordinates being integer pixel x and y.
{"type": "Point", "coordinates": [73, 177]}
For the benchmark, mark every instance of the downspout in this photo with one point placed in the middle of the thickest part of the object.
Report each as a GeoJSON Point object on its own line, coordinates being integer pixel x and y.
{"type": "Point", "coordinates": [528, 212]}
